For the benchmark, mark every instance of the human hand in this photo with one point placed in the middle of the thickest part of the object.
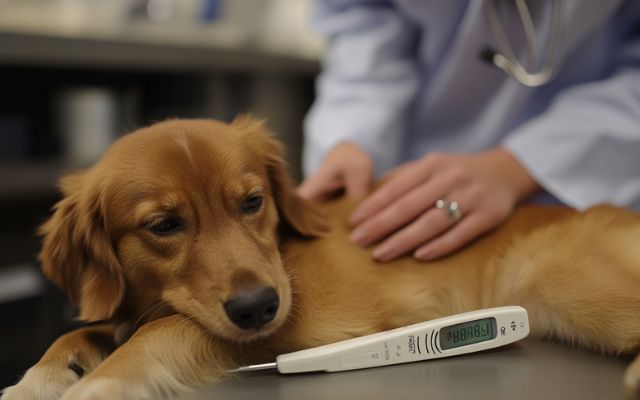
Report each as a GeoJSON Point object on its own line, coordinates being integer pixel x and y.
{"type": "Point", "coordinates": [485, 186]}
{"type": "Point", "coordinates": [347, 166]}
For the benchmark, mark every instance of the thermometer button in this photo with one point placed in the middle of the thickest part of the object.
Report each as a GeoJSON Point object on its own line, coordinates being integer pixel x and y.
{"type": "Point", "coordinates": [361, 360]}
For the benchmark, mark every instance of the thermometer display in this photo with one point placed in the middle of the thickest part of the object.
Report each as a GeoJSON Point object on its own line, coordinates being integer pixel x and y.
{"type": "Point", "coordinates": [467, 333]}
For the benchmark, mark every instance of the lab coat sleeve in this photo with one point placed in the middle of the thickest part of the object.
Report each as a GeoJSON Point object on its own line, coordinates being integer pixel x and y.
{"type": "Point", "coordinates": [368, 81]}
{"type": "Point", "coordinates": [585, 149]}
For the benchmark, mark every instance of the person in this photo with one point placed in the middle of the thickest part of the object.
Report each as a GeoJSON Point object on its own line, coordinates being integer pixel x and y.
{"type": "Point", "coordinates": [410, 94]}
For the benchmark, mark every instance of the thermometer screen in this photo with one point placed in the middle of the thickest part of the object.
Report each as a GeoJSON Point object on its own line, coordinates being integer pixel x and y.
{"type": "Point", "coordinates": [467, 333]}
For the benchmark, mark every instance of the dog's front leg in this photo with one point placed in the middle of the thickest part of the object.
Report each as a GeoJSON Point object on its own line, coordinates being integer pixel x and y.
{"type": "Point", "coordinates": [164, 357]}
{"type": "Point", "coordinates": [67, 360]}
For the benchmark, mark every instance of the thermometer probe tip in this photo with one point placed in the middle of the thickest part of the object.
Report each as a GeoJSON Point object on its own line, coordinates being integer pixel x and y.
{"type": "Point", "coordinates": [255, 367]}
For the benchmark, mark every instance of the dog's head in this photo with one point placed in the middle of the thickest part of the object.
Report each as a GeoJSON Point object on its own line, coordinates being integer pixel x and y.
{"type": "Point", "coordinates": [185, 213]}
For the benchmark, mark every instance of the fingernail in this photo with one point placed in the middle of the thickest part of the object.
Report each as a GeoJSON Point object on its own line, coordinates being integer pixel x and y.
{"type": "Point", "coordinates": [383, 253]}
{"type": "Point", "coordinates": [358, 237]}
{"type": "Point", "coordinates": [423, 254]}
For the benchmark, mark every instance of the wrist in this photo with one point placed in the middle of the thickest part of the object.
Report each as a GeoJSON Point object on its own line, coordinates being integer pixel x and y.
{"type": "Point", "coordinates": [516, 178]}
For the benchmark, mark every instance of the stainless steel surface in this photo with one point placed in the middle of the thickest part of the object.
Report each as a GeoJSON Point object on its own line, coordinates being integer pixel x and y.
{"type": "Point", "coordinates": [526, 370]}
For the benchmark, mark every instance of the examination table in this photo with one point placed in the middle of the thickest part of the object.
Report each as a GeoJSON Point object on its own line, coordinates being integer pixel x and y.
{"type": "Point", "coordinates": [530, 369]}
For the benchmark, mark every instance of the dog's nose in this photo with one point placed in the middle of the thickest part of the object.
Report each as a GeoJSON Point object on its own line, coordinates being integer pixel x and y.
{"type": "Point", "coordinates": [251, 310]}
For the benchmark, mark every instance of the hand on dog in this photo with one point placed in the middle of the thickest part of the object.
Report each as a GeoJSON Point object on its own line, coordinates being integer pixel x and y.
{"type": "Point", "coordinates": [486, 186]}
{"type": "Point", "coordinates": [347, 167]}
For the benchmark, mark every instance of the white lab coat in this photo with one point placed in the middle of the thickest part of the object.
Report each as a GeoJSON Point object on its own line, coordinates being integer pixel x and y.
{"type": "Point", "coordinates": [404, 78]}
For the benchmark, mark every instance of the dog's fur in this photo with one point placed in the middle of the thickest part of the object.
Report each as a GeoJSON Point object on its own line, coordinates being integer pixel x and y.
{"type": "Point", "coordinates": [577, 274]}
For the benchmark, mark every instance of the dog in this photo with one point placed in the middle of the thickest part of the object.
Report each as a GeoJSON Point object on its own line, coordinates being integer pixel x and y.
{"type": "Point", "coordinates": [188, 241]}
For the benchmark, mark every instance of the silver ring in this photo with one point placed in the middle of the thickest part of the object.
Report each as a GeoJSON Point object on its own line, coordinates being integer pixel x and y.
{"type": "Point", "coordinates": [451, 208]}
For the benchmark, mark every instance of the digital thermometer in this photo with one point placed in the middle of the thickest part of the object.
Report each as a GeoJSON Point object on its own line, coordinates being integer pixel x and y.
{"type": "Point", "coordinates": [443, 337]}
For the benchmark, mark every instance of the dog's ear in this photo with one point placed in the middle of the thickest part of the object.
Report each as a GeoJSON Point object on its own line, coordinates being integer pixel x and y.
{"type": "Point", "coordinates": [299, 214]}
{"type": "Point", "coordinates": [77, 253]}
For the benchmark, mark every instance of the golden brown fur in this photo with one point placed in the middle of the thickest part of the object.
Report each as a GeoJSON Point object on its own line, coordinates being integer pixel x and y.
{"type": "Point", "coordinates": [577, 274]}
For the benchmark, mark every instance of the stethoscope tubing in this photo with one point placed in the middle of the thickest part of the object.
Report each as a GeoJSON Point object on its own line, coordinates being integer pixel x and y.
{"type": "Point", "coordinates": [505, 57]}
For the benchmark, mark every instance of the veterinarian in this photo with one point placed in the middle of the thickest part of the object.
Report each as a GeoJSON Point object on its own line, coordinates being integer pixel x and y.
{"type": "Point", "coordinates": [470, 107]}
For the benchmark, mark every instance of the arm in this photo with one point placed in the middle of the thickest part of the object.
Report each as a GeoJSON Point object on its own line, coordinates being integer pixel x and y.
{"type": "Point", "coordinates": [585, 148]}
{"type": "Point", "coordinates": [369, 79]}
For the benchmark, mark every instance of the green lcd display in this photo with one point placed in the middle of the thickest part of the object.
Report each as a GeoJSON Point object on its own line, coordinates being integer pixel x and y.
{"type": "Point", "coordinates": [467, 333]}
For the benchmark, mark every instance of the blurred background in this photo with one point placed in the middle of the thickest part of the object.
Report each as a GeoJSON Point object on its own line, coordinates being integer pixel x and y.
{"type": "Point", "coordinates": [76, 74]}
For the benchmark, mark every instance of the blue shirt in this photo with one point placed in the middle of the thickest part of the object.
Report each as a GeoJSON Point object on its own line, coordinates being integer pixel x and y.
{"type": "Point", "coordinates": [404, 78]}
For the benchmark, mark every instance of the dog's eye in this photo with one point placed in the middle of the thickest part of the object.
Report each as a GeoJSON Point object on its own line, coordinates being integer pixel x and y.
{"type": "Point", "coordinates": [165, 226]}
{"type": "Point", "coordinates": [252, 204]}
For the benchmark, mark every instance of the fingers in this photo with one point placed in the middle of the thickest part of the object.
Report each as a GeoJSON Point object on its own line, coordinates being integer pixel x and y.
{"type": "Point", "coordinates": [435, 235]}
{"type": "Point", "coordinates": [462, 233]}
{"type": "Point", "coordinates": [347, 167]}
{"type": "Point", "coordinates": [405, 209]}
{"type": "Point", "coordinates": [357, 182]}
{"type": "Point", "coordinates": [320, 184]}
{"type": "Point", "coordinates": [399, 181]}
{"type": "Point", "coordinates": [430, 224]}
{"type": "Point", "coordinates": [434, 228]}
{"type": "Point", "coordinates": [426, 228]}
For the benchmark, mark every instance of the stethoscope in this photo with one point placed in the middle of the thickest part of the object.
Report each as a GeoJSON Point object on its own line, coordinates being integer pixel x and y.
{"type": "Point", "coordinates": [505, 58]}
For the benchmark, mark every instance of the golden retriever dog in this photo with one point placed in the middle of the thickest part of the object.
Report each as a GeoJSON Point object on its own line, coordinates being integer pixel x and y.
{"type": "Point", "coordinates": [189, 240]}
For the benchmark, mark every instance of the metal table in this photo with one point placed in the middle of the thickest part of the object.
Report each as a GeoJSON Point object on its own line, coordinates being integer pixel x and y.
{"type": "Point", "coordinates": [529, 369]}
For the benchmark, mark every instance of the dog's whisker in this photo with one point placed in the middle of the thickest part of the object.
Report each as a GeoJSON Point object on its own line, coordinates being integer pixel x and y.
{"type": "Point", "coordinates": [290, 256]}
{"type": "Point", "coordinates": [157, 306]}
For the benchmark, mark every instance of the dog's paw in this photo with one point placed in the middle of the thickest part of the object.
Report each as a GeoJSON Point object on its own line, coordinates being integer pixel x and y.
{"type": "Point", "coordinates": [111, 388]}
{"type": "Point", "coordinates": [96, 389]}
{"type": "Point", "coordinates": [106, 389]}
{"type": "Point", "coordinates": [632, 380]}
{"type": "Point", "coordinates": [41, 383]}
